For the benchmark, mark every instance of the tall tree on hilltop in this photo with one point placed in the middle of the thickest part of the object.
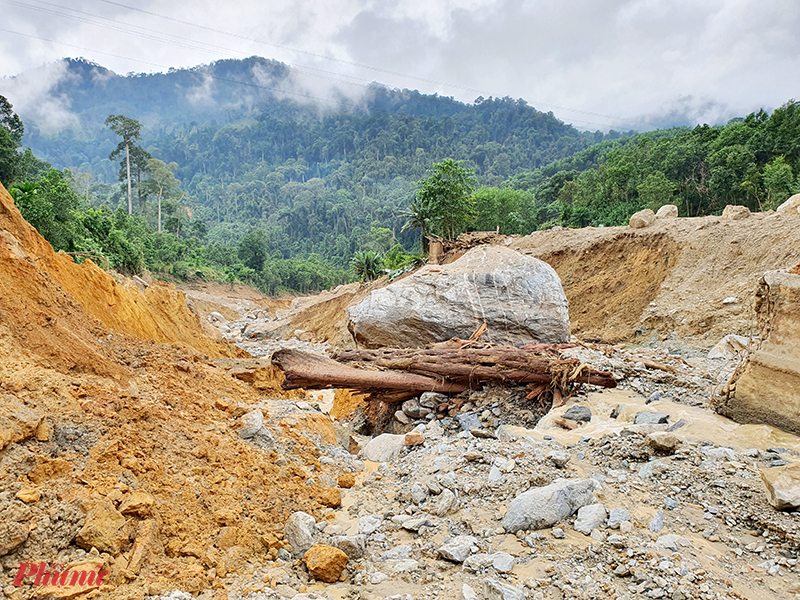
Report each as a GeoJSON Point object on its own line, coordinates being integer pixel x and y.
{"type": "Point", "coordinates": [130, 131]}
{"type": "Point", "coordinates": [163, 182]}
{"type": "Point", "coordinates": [445, 198]}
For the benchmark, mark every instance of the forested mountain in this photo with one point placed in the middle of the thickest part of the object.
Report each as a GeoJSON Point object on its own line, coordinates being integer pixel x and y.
{"type": "Point", "coordinates": [316, 176]}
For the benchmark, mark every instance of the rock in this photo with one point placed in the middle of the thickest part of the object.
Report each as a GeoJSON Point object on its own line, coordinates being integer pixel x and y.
{"type": "Point", "coordinates": [668, 211]}
{"type": "Point", "coordinates": [251, 425]}
{"type": "Point", "coordinates": [642, 219]}
{"type": "Point", "coordinates": [325, 563]}
{"type": "Point", "coordinates": [17, 421]}
{"type": "Point", "coordinates": [496, 590]}
{"type": "Point", "coordinates": [148, 544]}
{"type": "Point", "coordinates": [616, 540]}
{"type": "Point", "coordinates": [368, 524]}
{"type": "Point", "coordinates": [446, 504]}
{"type": "Point", "coordinates": [729, 347]}
{"type": "Point", "coordinates": [137, 503]}
{"type": "Point", "coordinates": [432, 399]}
{"type": "Point", "coordinates": [581, 414]}
{"type": "Point", "coordinates": [28, 494]}
{"type": "Point", "coordinates": [733, 212]}
{"type": "Point", "coordinates": [483, 434]}
{"type": "Point", "coordinates": [458, 548]}
{"type": "Point", "coordinates": [657, 523]}
{"type": "Point", "coordinates": [662, 441]}
{"type": "Point", "coordinates": [418, 493]}
{"type": "Point", "coordinates": [559, 458]}
{"type": "Point", "coordinates": [590, 517]}
{"type": "Point", "coordinates": [558, 533]}
{"type": "Point", "coordinates": [720, 453]}
{"type": "Point", "coordinates": [402, 417]}
{"type": "Point", "coordinates": [545, 506]}
{"type": "Point", "coordinates": [617, 516]}
{"type": "Point", "coordinates": [468, 420]}
{"type": "Point", "coordinates": [783, 486]}
{"type": "Point", "coordinates": [672, 541]}
{"type": "Point", "coordinates": [330, 497]}
{"type": "Point", "coordinates": [791, 206]}
{"type": "Point", "coordinates": [103, 530]}
{"type": "Point", "coordinates": [346, 480]}
{"type": "Point", "coordinates": [502, 562]}
{"type": "Point", "coordinates": [413, 438]}
{"type": "Point", "coordinates": [416, 524]}
{"type": "Point", "coordinates": [413, 409]}
{"type": "Point", "coordinates": [654, 397]}
{"type": "Point", "coordinates": [468, 593]}
{"type": "Point", "coordinates": [300, 531]}
{"type": "Point", "coordinates": [730, 300]}
{"type": "Point", "coordinates": [520, 298]}
{"type": "Point", "coordinates": [598, 535]}
{"type": "Point", "coordinates": [384, 448]}
{"type": "Point", "coordinates": [650, 418]}
{"type": "Point", "coordinates": [401, 552]}
{"type": "Point", "coordinates": [355, 546]}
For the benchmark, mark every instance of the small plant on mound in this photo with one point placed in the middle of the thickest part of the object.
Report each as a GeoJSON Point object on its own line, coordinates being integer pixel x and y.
{"type": "Point", "coordinates": [367, 265]}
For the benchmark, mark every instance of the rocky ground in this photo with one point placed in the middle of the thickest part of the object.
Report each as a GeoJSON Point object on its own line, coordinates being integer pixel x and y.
{"type": "Point", "coordinates": [669, 497]}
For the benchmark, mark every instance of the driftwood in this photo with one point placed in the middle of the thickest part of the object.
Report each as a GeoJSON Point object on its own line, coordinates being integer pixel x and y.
{"type": "Point", "coordinates": [436, 369]}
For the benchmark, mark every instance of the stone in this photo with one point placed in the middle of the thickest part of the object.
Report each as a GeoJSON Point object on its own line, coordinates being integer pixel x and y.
{"type": "Point", "coordinates": [330, 497]}
{"type": "Point", "coordinates": [446, 504]}
{"type": "Point", "coordinates": [734, 212]}
{"type": "Point", "coordinates": [590, 517]}
{"type": "Point", "coordinates": [138, 503]}
{"type": "Point", "coordinates": [503, 562]}
{"type": "Point", "coordinates": [642, 219]}
{"type": "Point", "coordinates": [402, 417]}
{"type": "Point", "coordinates": [432, 399]}
{"type": "Point", "coordinates": [355, 546]}
{"type": "Point", "coordinates": [468, 593]}
{"type": "Point", "coordinates": [147, 544]}
{"type": "Point", "coordinates": [369, 524]}
{"type": "Point", "coordinates": [28, 494]}
{"type": "Point", "coordinates": [384, 448]}
{"type": "Point", "coordinates": [496, 590]}
{"type": "Point", "coordinates": [559, 458]}
{"type": "Point", "coordinates": [729, 347]}
{"type": "Point", "coordinates": [325, 563]}
{"type": "Point", "coordinates": [413, 438]}
{"type": "Point", "coordinates": [790, 207]}
{"type": "Point", "coordinates": [657, 523]}
{"type": "Point", "coordinates": [546, 506]}
{"type": "Point", "coordinates": [662, 441]}
{"type": "Point", "coordinates": [721, 453]}
{"type": "Point", "coordinates": [300, 531]}
{"type": "Point", "coordinates": [413, 409]}
{"type": "Point", "coordinates": [416, 524]}
{"type": "Point", "coordinates": [478, 562]}
{"type": "Point", "coordinates": [458, 548]}
{"type": "Point", "coordinates": [783, 486]}
{"type": "Point", "coordinates": [520, 298]}
{"type": "Point", "coordinates": [668, 211]}
{"type": "Point", "coordinates": [650, 418]}
{"type": "Point", "coordinates": [17, 421]}
{"type": "Point", "coordinates": [346, 480]}
{"type": "Point", "coordinates": [617, 516]}
{"type": "Point", "coordinates": [103, 529]}
{"type": "Point", "coordinates": [418, 493]}
{"type": "Point", "coordinates": [672, 542]}
{"type": "Point", "coordinates": [558, 533]}
{"type": "Point", "coordinates": [468, 421]}
{"type": "Point", "coordinates": [251, 425]}
{"type": "Point", "coordinates": [581, 414]}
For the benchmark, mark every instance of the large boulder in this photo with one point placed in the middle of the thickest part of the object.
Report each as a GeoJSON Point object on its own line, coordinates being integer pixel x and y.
{"type": "Point", "coordinates": [767, 389]}
{"type": "Point", "coordinates": [791, 206]}
{"type": "Point", "coordinates": [545, 506]}
{"type": "Point", "coordinates": [520, 298]}
{"type": "Point", "coordinates": [643, 218]}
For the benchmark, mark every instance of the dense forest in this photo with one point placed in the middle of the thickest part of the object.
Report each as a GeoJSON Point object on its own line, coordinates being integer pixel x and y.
{"type": "Point", "coordinates": [248, 180]}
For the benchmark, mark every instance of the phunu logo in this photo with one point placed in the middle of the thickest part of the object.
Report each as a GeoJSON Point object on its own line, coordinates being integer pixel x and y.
{"type": "Point", "coordinates": [59, 577]}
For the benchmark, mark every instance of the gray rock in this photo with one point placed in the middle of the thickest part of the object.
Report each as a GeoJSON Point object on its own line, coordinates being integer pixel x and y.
{"type": "Point", "coordinates": [662, 441]}
{"type": "Point", "coordinates": [657, 524]}
{"type": "Point", "coordinates": [478, 562]}
{"type": "Point", "coordinates": [783, 486]}
{"type": "Point", "coordinates": [558, 533]}
{"type": "Point", "coordinates": [401, 552]}
{"type": "Point", "coordinates": [672, 541]}
{"type": "Point", "coordinates": [719, 453]}
{"type": "Point", "coordinates": [384, 448]}
{"type": "Point", "coordinates": [368, 524]}
{"type": "Point", "coordinates": [402, 417]}
{"type": "Point", "coordinates": [496, 590]}
{"type": "Point", "coordinates": [581, 414]}
{"type": "Point", "coordinates": [355, 546]}
{"type": "Point", "coordinates": [559, 458]}
{"type": "Point", "coordinates": [252, 426]}
{"type": "Point", "coordinates": [495, 474]}
{"type": "Point", "coordinates": [617, 516]}
{"type": "Point", "coordinates": [677, 425]}
{"type": "Point", "coordinates": [520, 298]}
{"type": "Point", "coordinates": [654, 397]}
{"type": "Point", "coordinates": [590, 517]}
{"type": "Point", "coordinates": [417, 523]}
{"type": "Point", "coordinates": [468, 420]}
{"type": "Point", "coordinates": [432, 399]}
{"type": "Point", "coordinates": [650, 418]}
{"type": "Point", "coordinates": [446, 504]}
{"type": "Point", "coordinates": [502, 562]}
{"type": "Point", "coordinates": [668, 211]}
{"type": "Point", "coordinates": [300, 531]}
{"type": "Point", "coordinates": [616, 540]}
{"type": "Point", "coordinates": [457, 549]}
{"type": "Point", "coordinates": [729, 347]}
{"type": "Point", "coordinates": [418, 493]}
{"type": "Point", "coordinates": [545, 506]}
{"type": "Point", "coordinates": [414, 410]}
{"type": "Point", "coordinates": [468, 593]}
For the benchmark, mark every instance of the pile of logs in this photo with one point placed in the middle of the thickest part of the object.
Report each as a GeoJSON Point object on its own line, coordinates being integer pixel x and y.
{"type": "Point", "coordinates": [391, 375]}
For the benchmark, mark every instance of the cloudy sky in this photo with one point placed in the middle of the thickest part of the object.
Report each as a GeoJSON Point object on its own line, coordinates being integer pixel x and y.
{"type": "Point", "coordinates": [597, 64]}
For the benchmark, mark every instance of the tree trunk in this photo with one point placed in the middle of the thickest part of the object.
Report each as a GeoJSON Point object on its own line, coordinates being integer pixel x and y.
{"type": "Point", "coordinates": [159, 210]}
{"type": "Point", "coordinates": [128, 164]}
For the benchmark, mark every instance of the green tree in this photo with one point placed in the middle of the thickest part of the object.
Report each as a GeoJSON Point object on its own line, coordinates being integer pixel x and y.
{"type": "Point", "coordinates": [11, 131]}
{"type": "Point", "coordinates": [162, 183]}
{"type": "Point", "coordinates": [130, 131]}
{"type": "Point", "coordinates": [367, 265]}
{"type": "Point", "coordinates": [253, 250]}
{"type": "Point", "coordinates": [447, 192]}
{"type": "Point", "coordinates": [10, 121]}
{"type": "Point", "coordinates": [656, 190]}
{"type": "Point", "coordinates": [778, 181]}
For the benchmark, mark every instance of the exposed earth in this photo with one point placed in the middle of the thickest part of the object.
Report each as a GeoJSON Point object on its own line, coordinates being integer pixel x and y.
{"type": "Point", "coordinates": [138, 435]}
